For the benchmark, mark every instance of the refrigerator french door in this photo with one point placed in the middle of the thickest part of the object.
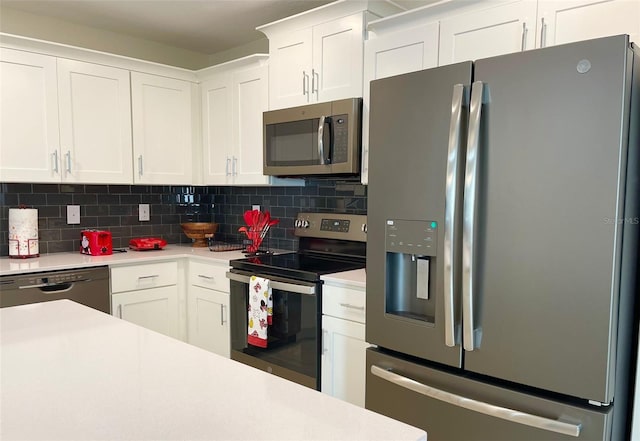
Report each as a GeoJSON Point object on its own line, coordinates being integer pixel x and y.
{"type": "Point", "coordinates": [506, 251]}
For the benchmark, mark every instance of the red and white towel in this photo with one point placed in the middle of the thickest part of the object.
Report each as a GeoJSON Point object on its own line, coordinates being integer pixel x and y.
{"type": "Point", "coordinates": [260, 311]}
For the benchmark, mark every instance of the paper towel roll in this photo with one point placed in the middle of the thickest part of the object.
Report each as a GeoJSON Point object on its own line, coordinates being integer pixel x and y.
{"type": "Point", "coordinates": [23, 232]}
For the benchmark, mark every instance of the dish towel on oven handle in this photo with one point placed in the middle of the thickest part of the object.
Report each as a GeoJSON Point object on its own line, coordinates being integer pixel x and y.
{"type": "Point", "coordinates": [260, 311]}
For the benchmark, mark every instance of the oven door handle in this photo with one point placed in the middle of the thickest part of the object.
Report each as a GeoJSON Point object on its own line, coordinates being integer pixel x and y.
{"type": "Point", "coordinates": [283, 286]}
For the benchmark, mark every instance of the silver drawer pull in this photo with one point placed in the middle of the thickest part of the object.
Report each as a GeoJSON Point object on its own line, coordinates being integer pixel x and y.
{"type": "Point", "coordinates": [202, 276]}
{"type": "Point", "coordinates": [350, 306]}
{"type": "Point", "coordinates": [505, 413]}
{"type": "Point", "coordinates": [148, 277]}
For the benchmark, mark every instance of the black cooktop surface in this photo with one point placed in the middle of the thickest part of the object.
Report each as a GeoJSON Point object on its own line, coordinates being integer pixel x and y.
{"type": "Point", "coordinates": [297, 265]}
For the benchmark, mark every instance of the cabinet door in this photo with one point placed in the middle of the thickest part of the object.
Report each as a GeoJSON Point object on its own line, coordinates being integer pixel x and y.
{"type": "Point", "coordinates": [155, 309]}
{"type": "Point", "coordinates": [337, 59]}
{"type": "Point", "coordinates": [217, 131]}
{"type": "Point", "coordinates": [485, 33]}
{"type": "Point", "coordinates": [162, 130]}
{"type": "Point", "coordinates": [208, 320]}
{"type": "Point", "coordinates": [29, 137]}
{"type": "Point", "coordinates": [290, 69]}
{"type": "Point", "coordinates": [343, 359]}
{"type": "Point", "coordinates": [95, 123]}
{"type": "Point", "coordinates": [395, 54]}
{"type": "Point", "coordinates": [567, 21]}
{"type": "Point", "coordinates": [250, 99]}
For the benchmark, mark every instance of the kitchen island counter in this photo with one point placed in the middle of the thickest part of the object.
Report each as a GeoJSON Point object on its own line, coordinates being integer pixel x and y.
{"type": "Point", "coordinates": [71, 372]}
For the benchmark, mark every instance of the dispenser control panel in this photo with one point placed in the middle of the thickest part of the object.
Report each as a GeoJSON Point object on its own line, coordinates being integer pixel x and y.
{"type": "Point", "coordinates": [412, 237]}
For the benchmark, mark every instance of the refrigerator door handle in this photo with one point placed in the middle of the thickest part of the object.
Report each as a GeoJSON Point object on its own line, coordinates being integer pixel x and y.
{"type": "Point", "coordinates": [453, 160]}
{"type": "Point", "coordinates": [504, 413]}
{"type": "Point", "coordinates": [469, 215]}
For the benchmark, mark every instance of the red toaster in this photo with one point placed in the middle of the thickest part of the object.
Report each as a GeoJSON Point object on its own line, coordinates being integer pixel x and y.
{"type": "Point", "coordinates": [96, 242]}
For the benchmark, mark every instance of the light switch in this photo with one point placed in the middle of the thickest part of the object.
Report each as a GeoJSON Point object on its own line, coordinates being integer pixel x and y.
{"type": "Point", "coordinates": [73, 214]}
{"type": "Point", "coordinates": [143, 212]}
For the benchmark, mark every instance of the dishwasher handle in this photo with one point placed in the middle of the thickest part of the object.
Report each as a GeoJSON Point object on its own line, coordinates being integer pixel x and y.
{"type": "Point", "coordinates": [54, 287]}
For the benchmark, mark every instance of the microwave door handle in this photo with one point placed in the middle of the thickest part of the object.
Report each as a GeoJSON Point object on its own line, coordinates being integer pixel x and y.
{"type": "Point", "coordinates": [321, 139]}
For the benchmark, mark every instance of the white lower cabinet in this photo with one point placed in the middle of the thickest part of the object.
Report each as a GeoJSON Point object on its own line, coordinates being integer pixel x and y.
{"type": "Point", "coordinates": [208, 307]}
{"type": "Point", "coordinates": [148, 295]}
{"type": "Point", "coordinates": [343, 343]}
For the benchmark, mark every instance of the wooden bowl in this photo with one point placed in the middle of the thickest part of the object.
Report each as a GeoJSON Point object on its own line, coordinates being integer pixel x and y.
{"type": "Point", "coordinates": [199, 232]}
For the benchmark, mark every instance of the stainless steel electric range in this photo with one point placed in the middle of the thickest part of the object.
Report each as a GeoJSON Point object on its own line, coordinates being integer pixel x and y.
{"type": "Point", "coordinates": [328, 243]}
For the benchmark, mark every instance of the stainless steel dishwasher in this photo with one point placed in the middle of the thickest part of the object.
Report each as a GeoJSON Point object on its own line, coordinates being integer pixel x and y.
{"type": "Point", "coordinates": [88, 286]}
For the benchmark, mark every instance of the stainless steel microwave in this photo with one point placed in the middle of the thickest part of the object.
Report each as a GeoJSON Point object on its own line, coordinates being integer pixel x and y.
{"type": "Point", "coordinates": [316, 139]}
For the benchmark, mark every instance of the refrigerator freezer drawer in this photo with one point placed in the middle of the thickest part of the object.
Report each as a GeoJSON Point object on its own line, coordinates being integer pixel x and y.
{"type": "Point", "coordinates": [450, 407]}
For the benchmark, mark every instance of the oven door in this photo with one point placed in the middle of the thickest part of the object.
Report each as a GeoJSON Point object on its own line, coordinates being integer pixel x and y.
{"type": "Point", "coordinates": [293, 344]}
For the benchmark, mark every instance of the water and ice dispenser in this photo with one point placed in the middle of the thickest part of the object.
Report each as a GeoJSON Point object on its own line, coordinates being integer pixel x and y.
{"type": "Point", "coordinates": [410, 263]}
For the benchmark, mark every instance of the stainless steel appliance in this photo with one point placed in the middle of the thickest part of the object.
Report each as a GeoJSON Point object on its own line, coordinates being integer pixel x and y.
{"type": "Point", "coordinates": [502, 264]}
{"type": "Point", "coordinates": [328, 243]}
{"type": "Point", "coordinates": [316, 139]}
{"type": "Point", "coordinates": [88, 286]}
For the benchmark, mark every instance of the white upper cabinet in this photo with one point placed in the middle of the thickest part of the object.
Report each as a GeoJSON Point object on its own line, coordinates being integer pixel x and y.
{"type": "Point", "coordinates": [567, 21]}
{"type": "Point", "coordinates": [95, 122]}
{"type": "Point", "coordinates": [162, 129]}
{"type": "Point", "coordinates": [64, 120]}
{"type": "Point", "coordinates": [321, 63]}
{"type": "Point", "coordinates": [234, 95]}
{"type": "Point", "coordinates": [29, 132]}
{"type": "Point", "coordinates": [485, 33]}
{"type": "Point", "coordinates": [317, 55]}
{"type": "Point", "coordinates": [217, 133]}
{"type": "Point", "coordinates": [250, 98]}
{"type": "Point", "coordinates": [290, 66]}
{"type": "Point", "coordinates": [393, 54]}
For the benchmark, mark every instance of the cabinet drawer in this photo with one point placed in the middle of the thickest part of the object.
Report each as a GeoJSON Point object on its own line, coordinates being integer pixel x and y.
{"type": "Point", "coordinates": [133, 278]}
{"type": "Point", "coordinates": [209, 275]}
{"type": "Point", "coordinates": [346, 303]}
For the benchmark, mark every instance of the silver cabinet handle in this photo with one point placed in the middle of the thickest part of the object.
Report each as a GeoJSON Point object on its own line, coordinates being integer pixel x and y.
{"type": "Point", "coordinates": [120, 311]}
{"type": "Point", "coordinates": [315, 84]}
{"type": "Point", "coordinates": [350, 306]}
{"type": "Point", "coordinates": [451, 199]}
{"type": "Point", "coordinates": [324, 340]}
{"type": "Point", "coordinates": [235, 166]}
{"type": "Point", "coordinates": [221, 315]}
{"type": "Point", "coordinates": [469, 215]}
{"type": "Point", "coordinates": [140, 165]}
{"type": "Point", "coordinates": [321, 139]}
{"type": "Point", "coordinates": [305, 84]}
{"type": "Point", "coordinates": [205, 277]}
{"type": "Point", "coordinates": [226, 170]}
{"type": "Point", "coordinates": [153, 276]}
{"type": "Point", "coordinates": [523, 46]}
{"type": "Point", "coordinates": [283, 286]}
{"type": "Point", "coordinates": [543, 33]}
{"type": "Point", "coordinates": [55, 161]}
{"type": "Point", "coordinates": [68, 156]}
{"type": "Point", "coordinates": [504, 413]}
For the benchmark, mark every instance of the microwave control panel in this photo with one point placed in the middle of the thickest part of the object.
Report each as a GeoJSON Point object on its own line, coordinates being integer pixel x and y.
{"type": "Point", "coordinates": [340, 138]}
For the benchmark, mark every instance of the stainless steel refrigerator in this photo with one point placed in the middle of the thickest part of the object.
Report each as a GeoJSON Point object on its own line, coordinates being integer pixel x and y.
{"type": "Point", "coordinates": [502, 260]}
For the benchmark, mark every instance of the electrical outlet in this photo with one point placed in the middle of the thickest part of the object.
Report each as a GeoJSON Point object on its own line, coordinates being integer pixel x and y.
{"type": "Point", "coordinates": [255, 207]}
{"type": "Point", "coordinates": [143, 212]}
{"type": "Point", "coordinates": [73, 214]}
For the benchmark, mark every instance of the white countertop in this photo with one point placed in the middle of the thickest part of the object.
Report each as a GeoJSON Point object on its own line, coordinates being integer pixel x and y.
{"type": "Point", "coordinates": [70, 372]}
{"type": "Point", "coordinates": [349, 279]}
{"type": "Point", "coordinates": [61, 261]}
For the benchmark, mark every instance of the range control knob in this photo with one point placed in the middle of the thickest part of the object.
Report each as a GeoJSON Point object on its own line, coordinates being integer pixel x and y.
{"type": "Point", "coordinates": [297, 223]}
{"type": "Point", "coordinates": [363, 228]}
{"type": "Point", "coordinates": [305, 224]}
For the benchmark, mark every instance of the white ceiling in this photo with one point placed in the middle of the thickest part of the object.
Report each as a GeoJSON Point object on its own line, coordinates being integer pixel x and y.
{"type": "Point", "coordinates": [204, 26]}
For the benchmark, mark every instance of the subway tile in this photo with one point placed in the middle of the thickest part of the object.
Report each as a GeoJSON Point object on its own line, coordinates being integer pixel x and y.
{"type": "Point", "coordinates": [46, 188]}
{"type": "Point", "coordinates": [97, 189]}
{"type": "Point", "coordinates": [119, 189]}
{"type": "Point", "coordinates": [31, 199]}
{"type": "Point", "coordinates": [59, 199]}
{"type": "Point", "coordinates": [19, 188]}
{"type": "Point", "coordinates": [71, 188]}
{"type": "Point", "coordinates": [85, 199]}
